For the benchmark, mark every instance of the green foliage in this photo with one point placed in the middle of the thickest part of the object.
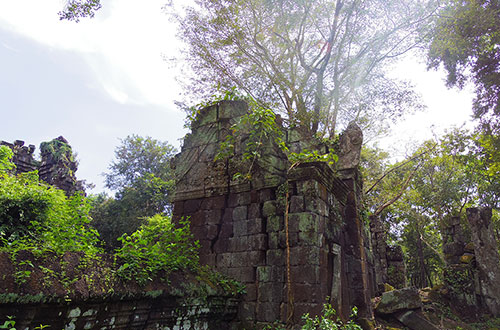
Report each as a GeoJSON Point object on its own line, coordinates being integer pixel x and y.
{"type": "Point", "coordinates": [328, 320]}
{"type": "Point", "coordinates": [41, 218]}
{"type": "Point", "coordinates": [76, 9]}
{"type": "Point", "coordinates": [215, 279]}
{"type": "Point", "coordinates": [59, 150]}
{"type": "Point", "coordinates": [307, 156]}
{"type": "Point", "coordinates": [466, 40]}
{"type": "Point", "coordinates": [447, 177]}
{"type": "Point", "coordinates": [136, 157]}
{"type": "Point", "coordinates": [319, 62]}
{"type": "Point", "coordinates": [192, 113]}
{"type": "Point", "coordinates": [260, 130]}
{"type": "Point", "coordinates": [6, 155]}
{"type": "Point", "coordinates": [157, 246]}
{"type": "Point", "coordinates": [9, 324]}
{"type": "Point", "coordinates": [142, 175]}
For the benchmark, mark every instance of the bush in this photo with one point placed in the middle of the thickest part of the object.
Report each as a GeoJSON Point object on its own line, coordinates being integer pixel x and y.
{"type": "Point", "coordinates": [157, 246]}
{"type": "Point", "coordinates": [330, 321]}
{"type": "Point", "coordinates": [327, 321]}
{"type": "Point", "coordinates": [41, 218]}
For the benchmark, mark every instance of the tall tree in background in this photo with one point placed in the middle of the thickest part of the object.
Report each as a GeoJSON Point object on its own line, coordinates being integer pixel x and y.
{"type": "Point", "coordinates": [322, 63]}
{"type": "Point", "coordinates": [466, 41]}
{"type": "Point", "coordinates": [143, 180]}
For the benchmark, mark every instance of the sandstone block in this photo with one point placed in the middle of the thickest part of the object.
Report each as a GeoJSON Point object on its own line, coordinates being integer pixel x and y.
{"type": "Point", "coordinates": [304, 255]}
{"type": "Point", "coordinates": [215, 202]}
{"type": "Point", "coordinates": [257, 242]}
{"type": "Point", "coordinates": [265, 195]}
{"type": "Point", "coordinates": [240, 228]}
{"type": "Point", "coordinates": [242, 274]}
{"type": "Point", "coordinates": [267, 312]}
{"type": "Point", "coordinates": [297, 204]}
{"type": "Point", "coordinates": [269, 208]}
{"type": "Point", "coordinates": [247, 311]}
{"type": "Point", "coordinates": [240, 213]}
{"type": "Point", "coordinates": [212, 231]}
{"type": "Point", "coordinates": [275, 257]}
{"type": "Point", "coordinates": [255, 226]}
{"type": "Point", "coordinates": [398, 300]}
{"type": "Point", "coordinates": [213, 217]}
{"type": "Point", "coordinates": [415, 321]}
{"type": "Point", "coordinates": [254, 211]}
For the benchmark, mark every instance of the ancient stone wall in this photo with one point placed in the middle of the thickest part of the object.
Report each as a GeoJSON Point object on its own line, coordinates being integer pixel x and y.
{"type": "Point", "coordinates": [487, 258]}
{"type": "Point", "coordinates": [293, 236]}
{"type": "Point", "coordinates": [388, 260]}
{"type": "Point", "coordinates": [472, 272]}
{"type": "Point", "coordinates": [72, 292]}
{"type": "Point", "coordinates": [151, 311]}
{"type": "Point", "coordinates": [57, 166]}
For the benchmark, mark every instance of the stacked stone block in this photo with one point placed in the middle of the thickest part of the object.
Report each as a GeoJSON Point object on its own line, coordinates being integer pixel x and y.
{"type": "Point", "coordinates": [241, 225]}
{"type": "Point", "coordinates": [487, 257]}
{"type": "Point", "coordinates": [460, 273]}
{"type": "Point", "coordinates": [23, 156]}
{"type": "Point", "coordinates": [57, 172]}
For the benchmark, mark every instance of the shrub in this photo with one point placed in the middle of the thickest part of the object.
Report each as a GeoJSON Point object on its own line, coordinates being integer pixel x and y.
{"type": "Point", "coordinates": [41, 218]}
{"type": "Point", "coordinates": [329, 320]}
{"type": "Point", "coordinates": [157, 246]}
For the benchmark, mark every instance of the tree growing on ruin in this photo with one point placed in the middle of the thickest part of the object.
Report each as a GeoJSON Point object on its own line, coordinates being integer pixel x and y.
{"type": "Point", "coordinates": [322, 63]}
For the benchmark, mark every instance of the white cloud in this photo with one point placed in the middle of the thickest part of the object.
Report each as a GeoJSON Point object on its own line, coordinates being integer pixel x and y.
{"type": "Point", "coordinates": [122, 45]}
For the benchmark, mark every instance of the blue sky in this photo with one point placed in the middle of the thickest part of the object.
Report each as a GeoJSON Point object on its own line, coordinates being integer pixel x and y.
{"type": "Point", "coordinates": [99, 80]}
{"type": "Point", "coordinates": [94, 82]}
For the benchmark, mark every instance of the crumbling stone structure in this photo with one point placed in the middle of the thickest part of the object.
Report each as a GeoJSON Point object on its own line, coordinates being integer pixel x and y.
{"type": "Point", "coordinates": [472, 272]}
{"type": "Point", "coordinates": [486, 253]}
{"type": "Point", "coordinates": [23, 156]}
{"type": "Point", "coordinates": [57, 166]}
{"type": "Point", "coordinates": [387, 260]}
{"type": "Point", "coordinates": [292, 235]}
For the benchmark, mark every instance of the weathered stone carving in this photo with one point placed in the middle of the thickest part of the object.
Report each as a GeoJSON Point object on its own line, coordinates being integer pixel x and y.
{"type": "Point", "coordinates": [351, 141]}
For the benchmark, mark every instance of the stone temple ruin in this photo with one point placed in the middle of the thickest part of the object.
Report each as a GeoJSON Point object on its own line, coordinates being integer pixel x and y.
{"type": "Point", "coordinates": [294, 237]}
{"type": "Point", "coordinates": [56, 167]}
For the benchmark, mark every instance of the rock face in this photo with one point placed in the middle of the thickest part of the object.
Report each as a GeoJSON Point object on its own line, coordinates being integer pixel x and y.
{"type": "Point", "coordinates": [486, 253]}
{"type": "Point", "coordinates": [57, 166]}
{"type": "Point", "coordinates": [293, 237]}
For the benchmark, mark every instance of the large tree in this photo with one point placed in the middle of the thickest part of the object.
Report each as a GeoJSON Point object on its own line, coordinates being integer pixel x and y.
{"type": "Point", "coordinates": [323, 62]}
{"type": "Point", "coordinates": [143, 180]}
{"type": "Point", "coordinates": [466, 41]}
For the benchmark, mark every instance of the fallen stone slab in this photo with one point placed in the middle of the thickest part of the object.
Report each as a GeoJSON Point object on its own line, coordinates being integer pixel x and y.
{"type": "Point", "coordinates": [398, 300]}
{"type": "Point", "coordinates": [414, 320]}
